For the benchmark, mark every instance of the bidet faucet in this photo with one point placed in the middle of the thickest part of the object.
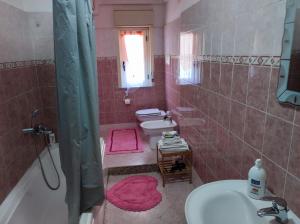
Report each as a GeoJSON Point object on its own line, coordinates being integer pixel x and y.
{"type": "Point", "coordinates": [168, 116]}
{"type": "Point", "coordinates": [278, 210]}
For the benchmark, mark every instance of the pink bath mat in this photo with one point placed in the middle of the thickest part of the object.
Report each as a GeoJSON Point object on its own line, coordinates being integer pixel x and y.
{"type": "Point", "coordinates": [124, 141]}
{"type": "Point", "coordinates": [135, 193]}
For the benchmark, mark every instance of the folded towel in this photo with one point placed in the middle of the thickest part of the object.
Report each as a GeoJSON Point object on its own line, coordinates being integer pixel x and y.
{"type": "Point", "coordinates": [169, 134]}
{"type": "Point", "coordinates": [180, 145]}
{"type": "Point", "coordinates": [173, 146]}
{"type": "Point", "coordinates": [170, 139]}
{"type": "Point", "coordinates": [175, 149]}
{"type": "Point", "coordinates": [171, 142]}
{"type": "Point", "coordinates": [150, 111]}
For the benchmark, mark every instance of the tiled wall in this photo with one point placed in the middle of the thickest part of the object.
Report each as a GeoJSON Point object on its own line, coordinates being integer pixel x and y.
{"type": "Point", "coordinates": [47, 87]}
{"type": "Point", "coordinates": [25, 84]}
{"type": "Point", "coordinates": [112, 107]}
{"type": "Point", "coordinates": [231, 117]}
{"type": "Point", "coordinates": [22, 89]}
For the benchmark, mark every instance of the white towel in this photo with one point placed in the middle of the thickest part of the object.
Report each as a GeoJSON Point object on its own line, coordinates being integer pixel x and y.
{"type": "Point", "coordinates": [169, 134]}
{"type": "Point", "coordinates": [175, 149]}
{"type": "Point", "coordinates": [178, 146]}
{"type": "Point", "coordinates": [168, 141]}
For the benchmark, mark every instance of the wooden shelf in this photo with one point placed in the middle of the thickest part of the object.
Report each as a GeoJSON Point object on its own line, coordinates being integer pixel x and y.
{"type": "Point", "coordinates": [166, 160]}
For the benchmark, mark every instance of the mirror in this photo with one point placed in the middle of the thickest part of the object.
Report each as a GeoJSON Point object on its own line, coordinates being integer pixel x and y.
{"type": "Point", "coordinates": [289, 78]}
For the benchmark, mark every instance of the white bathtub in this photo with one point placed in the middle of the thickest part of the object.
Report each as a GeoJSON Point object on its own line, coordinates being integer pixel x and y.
{"type": "Point", "coordinates": [31, 202]}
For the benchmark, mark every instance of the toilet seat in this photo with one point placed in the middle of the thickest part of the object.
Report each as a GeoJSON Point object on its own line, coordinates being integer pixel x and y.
{"type": "Point", "coordinates": [145, 112]}
{"type": "Point", "coordinates": [150, 114]}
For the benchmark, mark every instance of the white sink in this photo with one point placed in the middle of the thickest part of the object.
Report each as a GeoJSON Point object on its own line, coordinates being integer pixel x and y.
{"type": "Point", "coordinates": [226, 202]}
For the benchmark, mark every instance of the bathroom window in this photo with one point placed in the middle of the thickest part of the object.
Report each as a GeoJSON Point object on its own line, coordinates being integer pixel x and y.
{"type": "Point", "coordinates": [135, 61]}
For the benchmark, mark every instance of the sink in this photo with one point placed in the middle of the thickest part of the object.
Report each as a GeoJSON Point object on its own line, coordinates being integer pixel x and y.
{"type": "Point", "coordinates": [226, 202]}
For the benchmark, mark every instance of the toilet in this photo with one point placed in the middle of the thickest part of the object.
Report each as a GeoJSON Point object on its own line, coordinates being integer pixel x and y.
{"type": "Point", "coordinates": [150, 114]}
{"type": "Point", "coordinates": [155, 128]}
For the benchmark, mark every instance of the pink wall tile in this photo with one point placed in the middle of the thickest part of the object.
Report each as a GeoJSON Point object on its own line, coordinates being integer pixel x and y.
{"type": "Point", "coordinates": [249, 156]}
{"type": "Point", "coordinates": [205, 78]}
{"type": "Point", "coordinates": [254, 128]}
{"type": "Point", "coordinates": [226, 79]}
{"type": "Point", "coordinates": [224, 111]}
{"type": "Point", "coordinates": [283, 111]}
{"type": "Point", "coordinates": [215, 77]}
{"type": "Point", "coordinates": [277, 136]}
{"type": "Point", "coordinates": [235, 152]}
{"type": "Point", "coordinates": [292, 193]}
{"type": "Point", "coordinates": [297, 118]}
{"type": "Point", "coordinates": [258, 86]}
{"type": "Point", "coordinates": [112, 107]}
{"type": "Point", "coordinates": [275, 177]}
{"type": "Point", "coordinates": [23, 89]}
{"type": "Point", "coordinates": [213, 107]}
{"type": "Point", "coordinates": [294, 167]}
{"type": "Point", "coordinates": [237, 118]}
{"type": "Point", "coordinates": [239, 83]}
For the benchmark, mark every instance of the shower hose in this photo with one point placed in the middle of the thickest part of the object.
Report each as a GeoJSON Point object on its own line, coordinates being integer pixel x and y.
{"type": "Point", "coordinates": [41, 164]}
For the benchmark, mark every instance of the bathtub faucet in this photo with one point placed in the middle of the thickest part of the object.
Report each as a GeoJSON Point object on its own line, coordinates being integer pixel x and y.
{"type": "Point", "coordinates": [38, 129]}
{"type": "Point", "coordinates": [278, 210]}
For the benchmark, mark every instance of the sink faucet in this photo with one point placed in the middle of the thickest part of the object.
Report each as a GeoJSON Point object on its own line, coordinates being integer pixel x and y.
{"type": "Point", "coordinates": [168, 116]}
{"type": "Point", "coordinates": [278, 210]}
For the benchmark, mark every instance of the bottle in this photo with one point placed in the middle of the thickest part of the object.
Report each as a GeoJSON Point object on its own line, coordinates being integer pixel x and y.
{"type": "Point", "coordinates": [257, 180]}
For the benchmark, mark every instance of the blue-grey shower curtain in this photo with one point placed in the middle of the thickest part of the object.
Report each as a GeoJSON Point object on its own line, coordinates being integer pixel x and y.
{"type": "Point", "coordinates": [77, 90]}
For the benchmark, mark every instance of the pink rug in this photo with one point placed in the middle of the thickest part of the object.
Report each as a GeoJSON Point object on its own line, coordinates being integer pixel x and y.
{"type": "Point", "coordinates": [135, 193]}
{"type": "Point", "coordinates": [124, 141]}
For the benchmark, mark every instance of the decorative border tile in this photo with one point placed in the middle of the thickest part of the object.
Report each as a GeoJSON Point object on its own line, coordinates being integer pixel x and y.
{"type": "Point", "coordinates": [241, 60]}
{"type": "Point", "coordinates": [22, 64]}
{"type": "Point", "coordinates": [115, 57]}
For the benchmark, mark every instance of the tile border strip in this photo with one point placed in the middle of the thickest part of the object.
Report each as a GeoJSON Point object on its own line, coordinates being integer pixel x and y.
{"type": "Point", "coordinates": [273, 61]}
{"type": "Point", "coordinates": [115, 57]}
{"type": "Point", "coordinates": [22, 64]}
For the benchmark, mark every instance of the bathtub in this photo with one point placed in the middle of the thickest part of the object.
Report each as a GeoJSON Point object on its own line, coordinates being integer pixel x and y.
{"type": "Point", "coordinates": [31, 202]}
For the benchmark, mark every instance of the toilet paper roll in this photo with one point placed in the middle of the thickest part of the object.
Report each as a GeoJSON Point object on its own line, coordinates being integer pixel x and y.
{"type": "Point", "coordinates": [127, 101]}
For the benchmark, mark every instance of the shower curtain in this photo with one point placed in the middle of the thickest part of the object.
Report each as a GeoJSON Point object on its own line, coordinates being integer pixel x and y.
{"type": "Point", "coordinates": [77, 89]}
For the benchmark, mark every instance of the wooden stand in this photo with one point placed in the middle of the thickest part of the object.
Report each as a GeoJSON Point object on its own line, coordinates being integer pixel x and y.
{"type": "Point", "coordinates": [165, 161]}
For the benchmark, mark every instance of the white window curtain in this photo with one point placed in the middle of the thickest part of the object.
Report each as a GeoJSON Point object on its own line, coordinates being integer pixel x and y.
{"type": "Point", "coordinates": [132, 58]}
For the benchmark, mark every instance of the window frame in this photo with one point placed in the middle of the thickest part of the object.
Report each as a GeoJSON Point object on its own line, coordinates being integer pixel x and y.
{"type": "Point", "coordinates": [148, 55]}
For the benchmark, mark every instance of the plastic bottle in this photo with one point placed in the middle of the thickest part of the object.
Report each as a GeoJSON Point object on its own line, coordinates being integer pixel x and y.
{"type": "Point", "coordinates": [257, 180]}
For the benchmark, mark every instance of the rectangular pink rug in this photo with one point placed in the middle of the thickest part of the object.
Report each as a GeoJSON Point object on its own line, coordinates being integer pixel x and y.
{"type": "Point", "coordinates": [121, 141]}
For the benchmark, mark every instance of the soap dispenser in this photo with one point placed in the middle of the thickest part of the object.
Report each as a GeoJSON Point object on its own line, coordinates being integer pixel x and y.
{"type": "Point", "coordinates": [257, 181]}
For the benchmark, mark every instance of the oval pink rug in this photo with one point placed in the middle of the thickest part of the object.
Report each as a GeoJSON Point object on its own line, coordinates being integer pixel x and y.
{"type": "Point", "coordinates": [135, 193]}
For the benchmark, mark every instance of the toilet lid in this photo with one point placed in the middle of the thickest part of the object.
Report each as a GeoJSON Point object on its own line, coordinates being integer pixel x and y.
{"type": "Point", "coordinates": [152, 111]}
